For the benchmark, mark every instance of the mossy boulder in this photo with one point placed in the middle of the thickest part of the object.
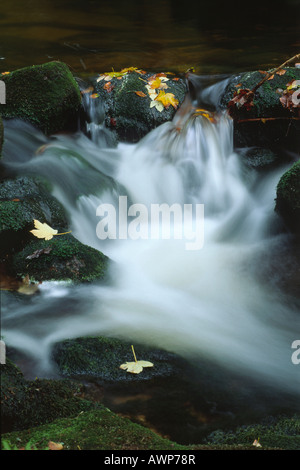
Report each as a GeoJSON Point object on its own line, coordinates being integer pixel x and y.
{"type": "Point", "coordinates": [25, 404]}
{"type": "Point", "coordinates": [281, 432]}
{"type": "Point", "coordinates": [91, 430]}
{"type": "Point", "coordinates": [267, 123]}
{"type": "Point", "coordinates": [22, 200]}
{"type": "Point", "coordinates": [63, 258]}
{"type": "Point", "coordinates": [126, 102]}
{"type": "Point", "coordinates": [288, 197]}
{"type": "Point", "coordinates": [101, 357]}
{"type": "Point", "coordinates": [45, 95]}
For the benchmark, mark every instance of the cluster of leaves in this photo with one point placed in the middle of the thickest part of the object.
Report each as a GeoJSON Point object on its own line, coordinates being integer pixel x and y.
{"type": "Point", "coordinates": [155, 86]}
{"type": "Point", "coordinates": [291, 95]}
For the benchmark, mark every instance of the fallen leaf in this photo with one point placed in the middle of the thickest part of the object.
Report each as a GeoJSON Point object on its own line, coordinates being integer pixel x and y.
{"type": "Point", "coordinates": [256, 443]}
{"type": "Point", "coordinates": [167, 99]}
{"type": "Point", "coordinates": [137, 366]}
{"type": "Point", "coordinates": [140, 93]}
{"type": "Point", "coordinates": [43, 231]}
{"type": "Point", "coordinates": [38, 253]}
{"type": "Point", "coordinates": [109, 87]}
{"type": "Point", "coordinates": [281, 72]}
{"type": "Point", "coordinates": [157, 105]}
{"type": "Point", "coordinates": [94, 95]}
{"type": "Point", "coordinates": [55, 446]}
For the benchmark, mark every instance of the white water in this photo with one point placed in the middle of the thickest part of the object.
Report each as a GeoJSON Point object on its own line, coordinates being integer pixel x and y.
{"type": "Point", "coordinates": [209, 303]}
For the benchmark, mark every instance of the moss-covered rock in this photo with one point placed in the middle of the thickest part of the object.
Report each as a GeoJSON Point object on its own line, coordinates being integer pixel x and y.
{"type": "Point", "coordinates": [26, 404]}
{"type": "Point", "coordinates": [288, 197]}
{"type": "Point", "coordinates": [281, 433]}
{"type": "Point", "coordinates": [22, 200]}
{"type": "Point", "coordinates": [251, 125]}
{"type": "Point", "coordinates": [95, 430]}
{"type": "Point", "coordinates": [45, 95]}
{"type": "Point", "coordinates": [62, 258]}
{"type": "Point", "coordinates": [126, 102]}
{"type": "Point", "coordinates": [101, 357]}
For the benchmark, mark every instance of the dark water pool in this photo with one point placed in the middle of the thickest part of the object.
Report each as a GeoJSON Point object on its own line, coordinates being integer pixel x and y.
{"type": "Point", "coordinates": [93, 36]}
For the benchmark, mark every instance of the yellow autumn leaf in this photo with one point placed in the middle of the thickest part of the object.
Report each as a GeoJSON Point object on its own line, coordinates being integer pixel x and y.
{"type": "Point", "coordinates": [167, 99]}
{"type": "Point", "coordinates": [137, 366]}
{"type": "Point", "coordinates": [44, 231]}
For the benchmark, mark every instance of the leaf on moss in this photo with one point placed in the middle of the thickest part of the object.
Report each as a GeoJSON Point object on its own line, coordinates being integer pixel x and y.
{"type": "Point", "coordinates": [42, 230]}
{"type": "Point", "coordinates": [55, 445]}
{"type": "Point", "coordinates": [108, 87]}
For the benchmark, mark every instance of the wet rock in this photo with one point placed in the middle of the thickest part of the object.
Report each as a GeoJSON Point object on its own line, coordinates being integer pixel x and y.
{"type": "Point", "coordinates": [267, 123]}
{"type": "Point", "coordinates": [25, 404]}
{"type": "Point", "coordinates": [279, 433]}
{"type": "Point", "coordinates": [100, 358]}
{"type": "Point", "coordinates": [63, 258]}
{"type": "Point", "coordinates": [288, 197]}
{"type": "Point", "coordinates": [126, 101]}
{"type": "Point", "coordinates": [22, 200]}
{"type": "Point", "coordinates": [45, 95]}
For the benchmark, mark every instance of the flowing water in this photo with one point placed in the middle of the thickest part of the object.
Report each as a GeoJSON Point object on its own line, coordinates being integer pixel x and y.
{"type": "Point", "coordinates": [221, 303]}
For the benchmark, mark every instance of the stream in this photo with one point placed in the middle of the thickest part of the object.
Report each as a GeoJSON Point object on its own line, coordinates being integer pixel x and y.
{"type": "Point", "coordinates": [225, 301]}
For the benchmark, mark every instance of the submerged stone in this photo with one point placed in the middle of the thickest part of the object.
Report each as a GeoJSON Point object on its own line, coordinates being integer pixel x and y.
{"type": "Point", "coordinates": [288, 197]}
{"type": "Point", "coordinates": [45, 95]}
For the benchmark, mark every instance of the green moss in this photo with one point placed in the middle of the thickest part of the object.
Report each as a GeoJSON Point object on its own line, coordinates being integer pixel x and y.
{"type": "Point", "coordinates": [45, 95]}
{"type": "Point", "coordinates": [101, 357]}
{"type": "Point", "coordinates": [130, 114]}
{"type": "Point", "coordinates": [96, 430]}
{"type": "Point", "coordinates": [288, 197]}
{"type": "Point", "coordinates": [27, 404]}
{"type": "Point", "coordinates": [22, 200]}
{"type": "Point", "coordinates": [67, 259]}
{"type": "Point", "coordinates": [282, 433]}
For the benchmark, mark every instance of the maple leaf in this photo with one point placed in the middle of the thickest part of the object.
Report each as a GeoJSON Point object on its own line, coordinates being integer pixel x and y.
{"type": "Point", "coordinates": [167, 99]}
{"type": "Point", "coordinates": [44, 231]}
{"type": "Point", "coordinates": [137, 366]}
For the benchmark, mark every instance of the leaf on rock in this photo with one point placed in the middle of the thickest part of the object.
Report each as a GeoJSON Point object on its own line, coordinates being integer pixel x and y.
{"type": "Point", "coordinates": [140, 93]}
{"type": "Point", "coordinates": [43, 231]}
{"type": "Point", "coordinates": [135, 367]}
{"type": "Point", "coordinates": [167, 99]}
{"type": "Point", "coordinates": [108, 87]}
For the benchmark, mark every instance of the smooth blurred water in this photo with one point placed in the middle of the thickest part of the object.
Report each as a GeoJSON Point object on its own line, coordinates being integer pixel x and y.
{"type": "Point", "coordinates": [215, 303]}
